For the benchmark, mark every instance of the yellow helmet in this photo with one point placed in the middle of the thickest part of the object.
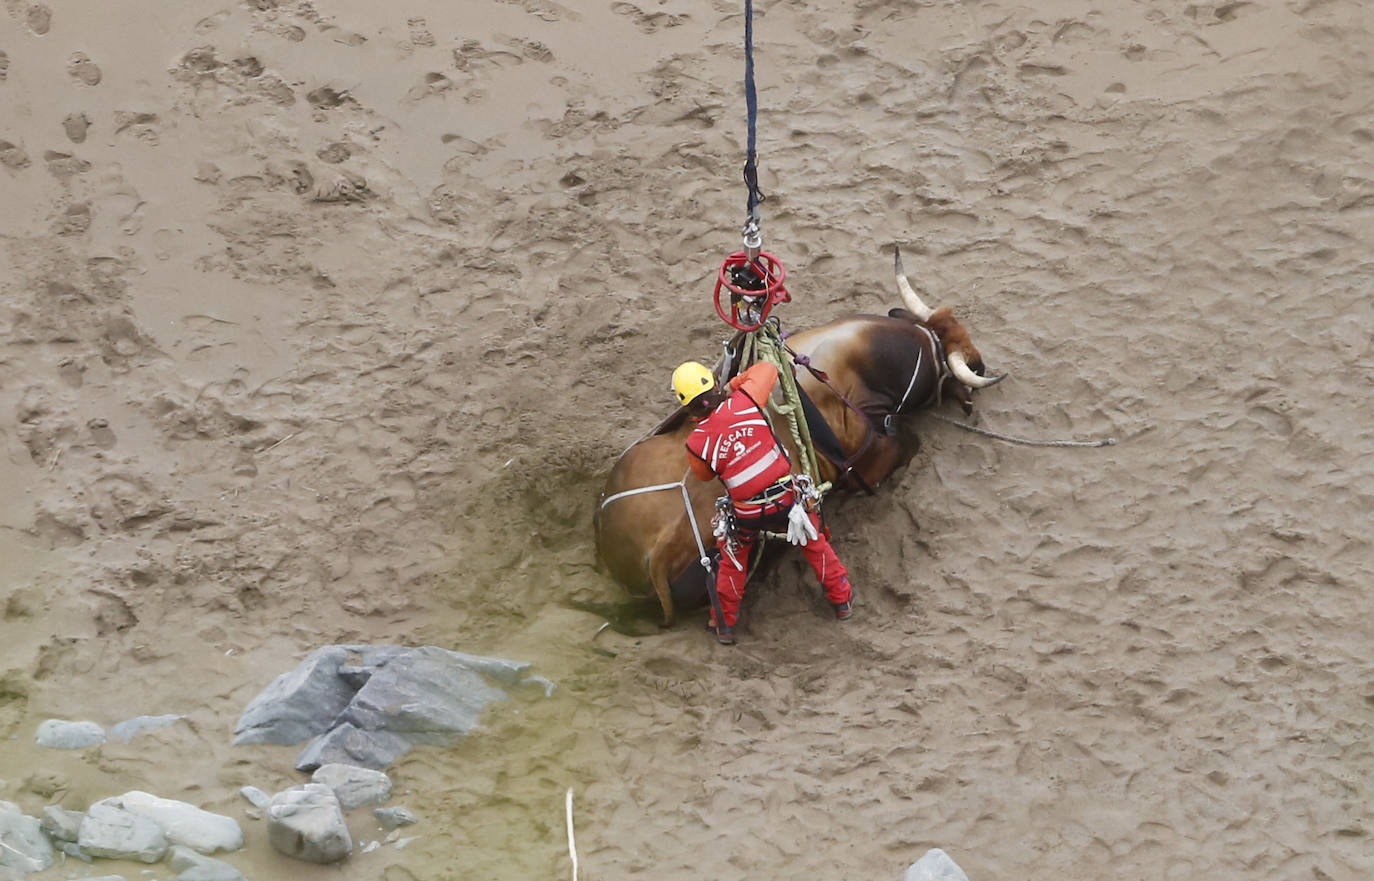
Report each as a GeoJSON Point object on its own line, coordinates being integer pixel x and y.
{"type": "Point", "coordinates": [691, 380]}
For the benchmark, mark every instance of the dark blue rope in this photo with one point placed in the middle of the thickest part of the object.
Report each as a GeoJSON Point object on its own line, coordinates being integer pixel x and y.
{"type": "Point", "coordinates": [751, 171]}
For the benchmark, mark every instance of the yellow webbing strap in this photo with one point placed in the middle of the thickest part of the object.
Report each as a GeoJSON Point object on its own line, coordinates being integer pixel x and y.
{"type": "Point", "coordinates": [766, 344]}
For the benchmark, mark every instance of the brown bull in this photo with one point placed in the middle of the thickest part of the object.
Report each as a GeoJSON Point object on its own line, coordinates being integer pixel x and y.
{"type": "Point", "coordinates": [862, 371]}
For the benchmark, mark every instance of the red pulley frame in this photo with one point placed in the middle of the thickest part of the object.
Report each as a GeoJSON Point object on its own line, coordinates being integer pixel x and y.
{"type": "Point", "coordinates": [769, 269]}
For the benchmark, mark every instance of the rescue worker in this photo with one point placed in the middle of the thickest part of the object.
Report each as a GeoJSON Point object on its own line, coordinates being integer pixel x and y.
{"type": "Point", "coordinates": [734, 442]}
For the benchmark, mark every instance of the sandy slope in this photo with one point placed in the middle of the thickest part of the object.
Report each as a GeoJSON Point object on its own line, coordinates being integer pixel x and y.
{"type": "Point", "coordinates": [323, 322]}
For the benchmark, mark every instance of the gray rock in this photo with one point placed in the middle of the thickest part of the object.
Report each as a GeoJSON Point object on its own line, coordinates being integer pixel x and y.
{"type": "Point", "coordinates": [192, 866]}
{"type": "Point", "coordinates": [366, 705]}
{"type": "Point", "coordinates": [130, 728]}
{"type": "Point", "coordinates": [258, 798]}
{"type": "Point", "coordinates": [299, 704]}
{"type": "Point", "coordinates": [182, 823]}
{"type": "Point", "coordinates": [61, 824]}
{"type": "Point", "coordinates": [353, 786]}
{"type": "Point", "coordinates": [306, 823]}
{"type": "Point", "coordinates": [26, 848]}
{"type": "Point", "coordinates": [111, 832]}
{"type": "Point", "coordinates": [73, 850]}
{"type": "Point", "coordinates": [61, 734]}
{"type": "Point", "coordinates": [391, 818]}
{"type": "Point", "coordinates": [347, 745]}
{"type": "Point", "coordinates": [356, 677]}
{"type": "Point", "coordinates": [935, 865]}
{"type": "Point", "coordinates": [427, 695]}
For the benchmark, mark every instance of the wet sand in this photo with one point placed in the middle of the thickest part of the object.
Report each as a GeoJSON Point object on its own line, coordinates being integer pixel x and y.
{"type": "Point", "coordinates": [324, 322]}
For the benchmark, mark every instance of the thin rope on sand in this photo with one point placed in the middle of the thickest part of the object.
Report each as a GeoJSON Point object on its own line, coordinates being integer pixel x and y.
{"type": "Point", "coordinates": [1105, 442]}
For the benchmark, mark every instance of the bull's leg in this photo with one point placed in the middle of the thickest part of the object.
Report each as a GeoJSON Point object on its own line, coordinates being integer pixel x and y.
{"type": "Point", "coordinates": [658, 574]}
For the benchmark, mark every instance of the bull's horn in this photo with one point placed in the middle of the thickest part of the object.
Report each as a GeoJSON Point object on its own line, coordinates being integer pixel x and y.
{"type": "Point", "coordinates": [909, 297]}
{"type": "Point", "coordinates": [962, 372]}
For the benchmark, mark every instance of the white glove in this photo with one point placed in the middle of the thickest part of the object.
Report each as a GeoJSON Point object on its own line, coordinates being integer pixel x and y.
{"type": "Point", "coordinates": [799, 528]}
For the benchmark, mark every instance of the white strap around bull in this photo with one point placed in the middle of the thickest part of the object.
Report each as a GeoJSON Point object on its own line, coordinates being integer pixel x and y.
{"type": "Point", "coordinates": [686, 502]}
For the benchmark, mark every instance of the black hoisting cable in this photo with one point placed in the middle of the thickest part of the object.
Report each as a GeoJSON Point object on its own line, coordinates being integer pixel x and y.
{"type": "Point", "coordinates": [751, 171]}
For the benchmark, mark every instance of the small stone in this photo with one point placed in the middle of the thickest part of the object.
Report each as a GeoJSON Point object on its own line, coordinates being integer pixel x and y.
{"type": "Point", "coordinates": [129, 729]}
{"type": "Point", "coordinates": [350, 745]}
{"type": "Point", "coordinates": [61, 734]}
{"type": "Point", "coordinates": [192, 866]}
{"type": "Point", "coordinates": [110, 832]}
{"type": "Point", "coordinates": [935, 865]}
{"type": "Point", "coordinates": [257, 797]}
{"type": "Point", "coordinates": [391, 818]}
{"type": "Point", "coordinates": [73, 850]}
{"type": "Point", "coordinates": [353, 786]}
{"type": "Point", "coordinates": [306, 823]}
{"type": "Point", "coordinates": [62, 824]}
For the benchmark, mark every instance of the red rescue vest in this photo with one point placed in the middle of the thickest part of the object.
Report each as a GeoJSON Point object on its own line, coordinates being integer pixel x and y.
{"type": "Point", "coordinates": [738, 444]}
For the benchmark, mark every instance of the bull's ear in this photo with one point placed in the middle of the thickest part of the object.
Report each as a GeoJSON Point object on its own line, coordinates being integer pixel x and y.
{"type": "Point", "coordinates": [903, 314]}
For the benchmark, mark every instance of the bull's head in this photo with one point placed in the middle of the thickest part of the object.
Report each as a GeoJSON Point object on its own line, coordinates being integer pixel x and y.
{"type": "Point", "coordinates": [960, 355]}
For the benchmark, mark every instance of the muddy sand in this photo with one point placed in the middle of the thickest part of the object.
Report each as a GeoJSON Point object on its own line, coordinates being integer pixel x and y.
{"type": "Point", "coordinates": [323, 322]}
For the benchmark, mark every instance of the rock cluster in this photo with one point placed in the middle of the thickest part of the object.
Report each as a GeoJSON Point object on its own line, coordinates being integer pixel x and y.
{"type": "Point", "coordinates": [133, 826]}
{"type": "Point", "coordinates": [366, 705]}
{"type": "Point", "coordinates": [64, 734]}
{"type": "Point", "coordinates": [363, 706]}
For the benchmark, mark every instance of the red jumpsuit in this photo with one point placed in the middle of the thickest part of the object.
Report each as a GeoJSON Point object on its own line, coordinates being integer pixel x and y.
{"type": "Point", "coordinates": [736, 444]}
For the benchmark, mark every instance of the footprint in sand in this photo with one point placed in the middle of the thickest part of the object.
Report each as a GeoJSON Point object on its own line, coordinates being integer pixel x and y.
{"type": "Point", "coordinates": [545, 10]}
{"type": "Point", "coordinates": [143, 126]}
{"type": "Point", "coordinates": [334, 153]}
{"type": "Point", "coordinates": [64, 166]}
{"type": "Point", "coordinates": [211, 22]}
{"type": "Point", "coordinates": [39, 18]}
{"type": "Point", "coordinates": [12, 156]}
{"type": "Point", "coordinates": [325, 97]}
{"type": "Point", "coordinates": [647, 22]}
{"type": "Point", "coordinates": [75, 125]}
{"type": "Point", "coordinates": [101, 433]}
{"type": "Point", "coordinates": [82, 68]}
{"type": "Point", "coordinates": [74, 221]}
{"type": "Point", "coordinates": [534, 50]}
{"type": "Point", "coordinates": [434, 83]}
{"type": "Point", "coordinates": [419, 32]}
{"type": "Point", "coordinates": [4, 65]}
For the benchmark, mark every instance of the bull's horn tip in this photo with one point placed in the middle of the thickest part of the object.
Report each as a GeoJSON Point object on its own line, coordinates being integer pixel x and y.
{"type": "Point", "coordinates": [998, 378]}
